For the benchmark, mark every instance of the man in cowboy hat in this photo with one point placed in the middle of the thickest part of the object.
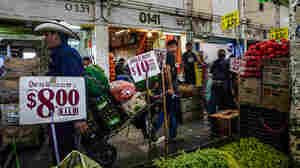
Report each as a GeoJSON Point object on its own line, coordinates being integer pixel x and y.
{"type": "Point", "coordinates": [66, 61]}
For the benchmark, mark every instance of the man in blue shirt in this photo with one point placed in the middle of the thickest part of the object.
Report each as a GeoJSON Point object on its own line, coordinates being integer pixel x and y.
{"type": "Point", "coordinates": [66, 61]}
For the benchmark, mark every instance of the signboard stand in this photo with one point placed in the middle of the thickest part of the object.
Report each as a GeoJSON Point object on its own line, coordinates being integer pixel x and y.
{"type": "Point", "coordinates": [52, 125]}
{"type": "Point", "coordinates": [47, 100]}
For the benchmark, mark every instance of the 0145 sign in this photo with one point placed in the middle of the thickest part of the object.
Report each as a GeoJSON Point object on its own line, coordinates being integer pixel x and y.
{"type": "Point", "coordinates": [43, 101]}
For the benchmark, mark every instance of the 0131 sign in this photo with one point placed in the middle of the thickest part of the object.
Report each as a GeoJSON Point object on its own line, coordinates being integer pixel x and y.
{"type": "Point", "coordinates": [43, 100]}
{"type": "Point", "coordinates": [142, 65]}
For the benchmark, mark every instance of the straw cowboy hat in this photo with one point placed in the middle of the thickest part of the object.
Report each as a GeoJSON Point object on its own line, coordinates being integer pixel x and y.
{"type": "Point", "coordinates": [62, 27]}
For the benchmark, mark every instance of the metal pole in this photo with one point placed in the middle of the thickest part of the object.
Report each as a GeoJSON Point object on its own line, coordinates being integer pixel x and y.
{"type": "Point", "coordinates": [165, 110]}
{"type": "Point", "coordinates": [294, 61]}
{"type": "Point", "coordinates": [276, 14]}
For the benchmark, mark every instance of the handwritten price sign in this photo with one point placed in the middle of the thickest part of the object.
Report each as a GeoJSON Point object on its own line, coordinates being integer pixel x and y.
{"type": "Point", "coordinates": [43, 100]}
{"type": "Point", "coordinates": [277, 34]}
{"type": "Point", "coordinates": [237, 65]}
{"type": "Point", "coordinates": [142, 65]}
{"type": "Point", "coordinates": [230, 20]}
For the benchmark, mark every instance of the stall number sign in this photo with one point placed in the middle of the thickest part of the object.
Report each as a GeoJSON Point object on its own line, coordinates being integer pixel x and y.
{"type": "Point", "coordinates": [77, 6]}
{"type": "Point", "coordinates": [52, 100]}
{"type": "Point", "coordinates": [230, 21]}
{"type": "Point", "coordinates": [143, 65]}
{"type": "Point", "coordinates": [149, 18]}
{"type": "Point", "coordinates": [277, 34]}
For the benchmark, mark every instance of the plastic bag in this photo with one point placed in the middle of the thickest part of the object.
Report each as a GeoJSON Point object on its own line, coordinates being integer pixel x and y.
{"type": "Point", "coordinates": [136, 103]}
{"type": "Point", "coordinates": [77, 160]}
{"type": "Point", "coordinates": [122, 91]}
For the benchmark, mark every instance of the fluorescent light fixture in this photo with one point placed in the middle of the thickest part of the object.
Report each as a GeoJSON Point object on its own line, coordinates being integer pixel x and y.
{"type": "Point", "coordinates": [29, 55]}
{"type": "Point", "coordinates": [173, 33]}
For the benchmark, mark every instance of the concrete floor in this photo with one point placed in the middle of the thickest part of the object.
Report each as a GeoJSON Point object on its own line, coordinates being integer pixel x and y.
{"type": "Point", "coordinates": [131, 146]}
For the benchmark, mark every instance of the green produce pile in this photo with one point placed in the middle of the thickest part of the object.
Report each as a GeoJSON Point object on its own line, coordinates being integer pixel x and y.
{"type": "Point", "coordinates": [210, 158]}
{"type": "Point", "coordinates": [247, 153]}
{"type": "Point", "coordinates": [250, 153]}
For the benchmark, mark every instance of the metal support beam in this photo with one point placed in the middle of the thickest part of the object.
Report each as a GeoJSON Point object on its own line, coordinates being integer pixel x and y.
{"type": "Point", "coordinates": [294, 81]}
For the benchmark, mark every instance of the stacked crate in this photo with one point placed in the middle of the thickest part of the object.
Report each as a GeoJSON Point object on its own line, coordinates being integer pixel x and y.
{"type": "Point", "coordinates": [250, 91]}
{"type": "Point", "coordinates": [276, 85]}
{"type": "Point", "coordinates": [251, 125]}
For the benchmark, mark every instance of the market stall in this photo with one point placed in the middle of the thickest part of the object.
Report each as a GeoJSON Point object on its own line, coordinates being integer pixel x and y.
{"type": "Point", "coordinates": [264, 92]}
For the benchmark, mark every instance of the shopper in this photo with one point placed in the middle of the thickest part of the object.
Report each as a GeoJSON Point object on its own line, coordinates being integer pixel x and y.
{"type": "Point", "coordinates": [120, 67]}
{"type": "Point", "coordinates": [171, 87]}
{"type": "Point", "coordinates": [66, 61]}
{"type": "Point", "coordinates": [86, 61]}
{"type": "Point", "coordinates": [189, 58]}
{"type": "Point", "coordinates": [221, 82]}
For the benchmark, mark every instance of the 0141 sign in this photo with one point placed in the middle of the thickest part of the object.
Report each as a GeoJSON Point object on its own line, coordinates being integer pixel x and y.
{"type": "Point", "coordinates": [43, 101]}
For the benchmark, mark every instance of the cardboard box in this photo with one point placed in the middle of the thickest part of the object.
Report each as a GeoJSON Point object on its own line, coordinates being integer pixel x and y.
{"type": "Point", "coordinates": [249, 96]}
{"type": "Point", "coordinates": [249, 83]}
{"type": "Point", "coordinates": [276, 97]}
{"type": "Point", "coordinates": [276, 75]}
{"type": "Point", "coordinates": [277, 62]}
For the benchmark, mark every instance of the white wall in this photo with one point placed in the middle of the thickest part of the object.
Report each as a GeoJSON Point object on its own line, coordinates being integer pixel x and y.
{"type": "Point", "coordinates": [284, 16]}
{"type": "Point", "coordinates": [169, 3]}
{"type": "Point", "coordinates": [222, 7]}
{"type": "Point", "coordinates": [43, 10]}
{"type": "Point", "coordinates": [211, 51]}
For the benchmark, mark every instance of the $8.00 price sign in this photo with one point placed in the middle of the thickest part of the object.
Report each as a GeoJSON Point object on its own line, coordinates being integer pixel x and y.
{"type": "Point", "coordinates": [142, 65]}
{"type": "Point", "coordinates": [43, 100]}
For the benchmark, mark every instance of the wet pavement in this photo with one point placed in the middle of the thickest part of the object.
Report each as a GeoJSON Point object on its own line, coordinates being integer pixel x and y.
{"type": "Point", "coordinates": [131, 146]}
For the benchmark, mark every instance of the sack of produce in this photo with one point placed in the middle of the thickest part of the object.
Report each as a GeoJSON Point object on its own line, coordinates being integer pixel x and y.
{"type": "Point", "coordinates": [19, 64]}
{"type": "Point", "coordinates": [122, 90]}
{"type": "Point", "coordinates": [24, 136]}
{"type": "Point", "coordinates": [97, 83]}
{"type": "Point", "coordinates": [136, 103]}
{"type": "Point", "coordinates": [189, 90]}
{"type": "Point", "coordinates": [78, 160]}
{"type": "Point", "coordinates": [17, 67]}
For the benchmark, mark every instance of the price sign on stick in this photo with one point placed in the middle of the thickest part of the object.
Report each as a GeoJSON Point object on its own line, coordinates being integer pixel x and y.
{"type": "Point", "coordinates": [43, 100]}
{"type": "Point", "coordinates": [142, 64]}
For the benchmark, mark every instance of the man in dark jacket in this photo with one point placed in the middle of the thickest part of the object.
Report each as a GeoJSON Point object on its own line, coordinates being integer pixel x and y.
{"type": "Point", "coordinates": [221, 81]}
{"type": "Point", "coordinates": [189, 58]}
{"type": "Point", "coordinates": [66, 61]}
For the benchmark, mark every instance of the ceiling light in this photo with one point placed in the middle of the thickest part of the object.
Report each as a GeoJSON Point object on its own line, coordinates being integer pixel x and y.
{"type": "Point", "coordinates": [149, 34]}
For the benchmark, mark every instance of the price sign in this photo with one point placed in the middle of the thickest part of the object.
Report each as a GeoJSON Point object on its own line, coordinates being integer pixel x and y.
{"type": "Point", "coordinates": [142, 65]}
{"type": "Point", "coordinates": [230, 20]}
{"type": "Point", "coordinates": [237, 65]}
{"type": "Point", "coordinates": [161, 56]}
{"type": "Point", "coordinates": [44, 100]}
{"type": "Point", "coordinates": [277, 34]}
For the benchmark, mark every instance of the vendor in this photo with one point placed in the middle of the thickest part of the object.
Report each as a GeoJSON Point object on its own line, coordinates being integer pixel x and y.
{"type": "Point", "coordinates": [86, 61]}
{"type": "Point", "coordinates": [189, 58]}
{"type": "Point", "coordinates": [66, 61]}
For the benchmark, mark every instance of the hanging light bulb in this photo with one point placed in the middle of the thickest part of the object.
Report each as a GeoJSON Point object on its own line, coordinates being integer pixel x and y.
{"type": "Point", "coordinates": [149, 34]}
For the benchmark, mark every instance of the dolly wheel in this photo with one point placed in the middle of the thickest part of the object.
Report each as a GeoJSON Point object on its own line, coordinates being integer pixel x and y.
{"type": "Point", "coordinates": [104, 154]}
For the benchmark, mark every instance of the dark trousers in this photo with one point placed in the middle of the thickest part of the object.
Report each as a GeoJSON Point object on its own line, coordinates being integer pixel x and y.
{"type": "Point", "coordinates": [172, 107]}
{"type": "Point", "coordinates": [65, 140]}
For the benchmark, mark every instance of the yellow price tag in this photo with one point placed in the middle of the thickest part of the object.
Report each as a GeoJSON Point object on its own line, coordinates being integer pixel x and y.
{"type": "Point", "coordinates": [230, 20]}
{"type": "Point", "coordinates": [277, 34]}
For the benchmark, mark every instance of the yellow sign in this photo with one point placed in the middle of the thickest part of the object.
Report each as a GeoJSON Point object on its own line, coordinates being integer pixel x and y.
{"type": "Point", "coordinates": [230, 21]}
{"type": "Point", "coordinates": [280, 33]}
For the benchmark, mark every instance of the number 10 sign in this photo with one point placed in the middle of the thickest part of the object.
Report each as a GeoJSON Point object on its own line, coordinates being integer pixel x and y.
{"type": "Point", "coordinates": [142, 65]}
{"type": "Point", "coordinates": [51, 100]}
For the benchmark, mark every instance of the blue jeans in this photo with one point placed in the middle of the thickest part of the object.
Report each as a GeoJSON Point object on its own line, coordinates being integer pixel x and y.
{"type": "Point", "coordinates": [212, 104]}
{"type": "Point", "coordinates": [172, 108]}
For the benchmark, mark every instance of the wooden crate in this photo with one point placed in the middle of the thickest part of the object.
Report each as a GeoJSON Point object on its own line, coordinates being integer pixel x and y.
{"type": "Point", "coordinates": [226, 122]}
{"type": "Point", "coordinates": [276, 75]}
{"type": "Point", "coordinates": [276, 97]}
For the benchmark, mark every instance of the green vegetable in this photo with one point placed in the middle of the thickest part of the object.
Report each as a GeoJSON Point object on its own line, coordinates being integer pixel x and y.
{"type": "Point", "coordinates": [210, 158]}
{"type": "Point", "coordinates": [250, 153]}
